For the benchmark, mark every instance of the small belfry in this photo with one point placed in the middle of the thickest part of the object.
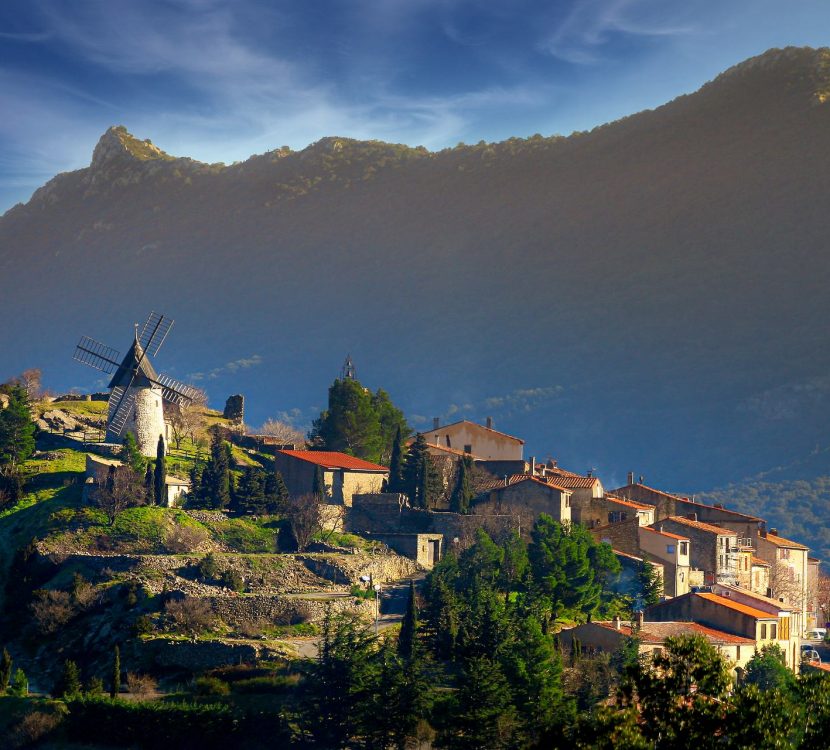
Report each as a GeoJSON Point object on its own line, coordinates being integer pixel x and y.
{"type": "Point", "coordinates": [347, 372]}
{"type": "Point", "coordinates": [137, 391]}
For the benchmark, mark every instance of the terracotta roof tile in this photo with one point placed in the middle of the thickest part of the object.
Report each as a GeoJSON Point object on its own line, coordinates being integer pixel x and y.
{"type": "Point", "coordinates": [628, 503]}
{"type": "Point", "coordinates": [653, 633]}
{"type": "Point", "coordinates": [779, 541]}
{"type": "Point", "coordinates": [758, 561]}
{"type": "Point", "coordinates": [334, 460]}
{"type": "Point", "coordinates": [572, 482]}
{"type": "Point", "coordinates": [665, 533]}
{"type": "Point", "coordinates": [737, 606]}
{"type": "Point", "coordinates": [711, 528]}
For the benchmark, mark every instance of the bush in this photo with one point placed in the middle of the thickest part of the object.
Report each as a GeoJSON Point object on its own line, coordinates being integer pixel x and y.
{"type": "Point", "coordinates": [208, 568]}
{"type": "Point", "coordinates": [189, 615]}
{"type": "Point", "coordinates": [211, 686]}
{"type": "Point", "coordinates": [51, 610]}
{"type": "Point", "coordinates": [263, 685]}
{"type": "Point", "coordinates": [233, 580]}
{"type": "Point", "coordinates": [361, 593]}
{"type": "Point", "coordinates": [143, 625]}
{"type": "Point", "coordinates": [181, 540]}
{"type": "Point", "coordinates": [141, 685]}
{"type": "Point", "coordinates": [35, 726]}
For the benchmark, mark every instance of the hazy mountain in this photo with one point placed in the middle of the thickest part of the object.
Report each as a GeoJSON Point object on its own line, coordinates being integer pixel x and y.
{"type": "Point", "coordinates": [651, 295]}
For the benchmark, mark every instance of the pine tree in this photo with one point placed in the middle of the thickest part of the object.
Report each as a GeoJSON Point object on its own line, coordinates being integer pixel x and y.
{"type": "Point", "coordinates": [115, 685]}
{"type": "Point", "coordinates": [407, 640]}
{"type": "Point", "coordinates": [215, 483]}
{"type": "Point", "coordinates": [17, 440]}
{"type": "Point", "coordinates": [396, 464]}
{"type": "Point", "coordinates": [462, 492]}
{"type": "Point", "coordinates": [69, 682]}
{"type": "Point", "coordinates": [250, 493]}
{"type": "Point", "coordinates": [160, 474]}
{"type": "Point", "coordinates": [5, 671]}
{"type": "Point", "coordinates": [650, 581]}
{"type": "Point", "coordinates": [131, 455]}
{"type": "Point", "coordinates": [20, 684]}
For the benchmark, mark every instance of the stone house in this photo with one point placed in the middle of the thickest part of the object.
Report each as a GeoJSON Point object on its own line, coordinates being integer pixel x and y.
{"type": "Point", "coordinates": [607, 509]}
{"type": "Point", "coordinates": [586, 492]}
{"type": "Point", "coordinates": [343, 475]}
{"type": "Point", "coordinates": [97, 470]}
{"type": "Point", "coordinates": [609, 635]}
{"type": "Point", "coordinates": [670, 550]}
{"type": "Point", "coordinates": [789, 569]}
{"type": "Point", "coordinates": [815, 617]}
{"type": "Point", "coordinates": [623, 536]}
{"type": "Point", "coordinates": [729, 615]}
{"type": "Point", "coordinates": [526, 498]}
{"type": "Point", "coordinates": [759, 579]}
{"type": "Point", "coordinates": [719, 552]}
{"type": "Point", "coordinates": [480, 440]}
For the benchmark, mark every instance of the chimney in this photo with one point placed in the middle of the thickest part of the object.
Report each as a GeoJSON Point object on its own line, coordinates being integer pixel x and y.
{"type": "Point", "coordinates": [774, 532]}
{"type": "Point", "coordinates": [590, 473]}
{"type": "Point", "coordinates": [640, 618]}
{"type": "Point", "coordinates": [438, 440]}
{"type": "Point", "coordinates": [506, 480]}
{"type": "Point", "coordinates": [489, 424]}
{"type": "Point", "coordinates": [533, 465]}
{"type": "Point", "coordinates": [630, 478]}
{"type": "Point", "coordinates": [616, 622]}
{"type": "Point", "coordinates": [642, 479]}
{"type": "Point", "coordinates": [436, 423]}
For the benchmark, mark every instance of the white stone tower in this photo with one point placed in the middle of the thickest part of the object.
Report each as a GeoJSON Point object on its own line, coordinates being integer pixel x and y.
{"type": "Point", "coordinates": [143, 399]}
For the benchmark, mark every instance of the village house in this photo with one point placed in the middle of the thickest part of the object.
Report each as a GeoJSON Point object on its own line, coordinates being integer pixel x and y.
{"type": "Point", "coordinates": [525, 497]}
{"type": "Point", "coordinates": [672, 552]}
{"type": "Point", "coordinates": [788, 569]}
{"type": "Point", "coordinates": [759, 578]}
{"type": "Point", "coordinates": [609, 635]}
{"type": "Point", "coordinates": [720, 553]}
{"type": "Point", "coordinates": [343, 475]}
{"type": "Point", "coordinates": [481, 441]}
{"type": "Point", "coordinates": [98, 468]}
{"type": "Point", "coordinates": [762, 626]}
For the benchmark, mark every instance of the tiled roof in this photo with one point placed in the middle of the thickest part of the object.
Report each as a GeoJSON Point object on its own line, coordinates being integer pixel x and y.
{"type": "Point", "coordinates": [711, 528]}
{"type": "Point", "coordinates": [737, 606]}
{"type": "Point", "coordinates": [445, 449]}
{"type": "Point", "coordinates": [758, 561]}
{"type": "Point", "coordinates": [334, 460]}
{"type": "Point", "coordinates": [653, 633]}
{"type": "Point", "coordinates": [561, 472]}
{"type": "Point", "coordinates": [518, 478]}
{"type": "Point", "coordinates": [621, 491]}
{"type": "Point", "coordinates": [628, 503]}
{"type": "Point", "coordinates": [779, 541]}
{"type": "Point", "coordinates": [665, 533]}
{"type": "Point", "coordinates": [779, 605]}
{"type": "Point", "coordinates": [474, 424]}
{"type": "Point", "coordinates": [572, 482]}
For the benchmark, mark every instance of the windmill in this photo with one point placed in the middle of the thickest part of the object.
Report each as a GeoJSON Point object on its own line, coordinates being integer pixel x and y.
{"type": "Point", "coordinates": [137, 391]}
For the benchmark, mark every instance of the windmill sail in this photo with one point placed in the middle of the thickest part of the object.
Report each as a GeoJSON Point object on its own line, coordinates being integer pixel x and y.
{"type": "Point", "coordinates": [154, 332]}
{"type": "Point", "coordinates": [95, 354]}
{"type": "Point", "coordinates": [118, 410]}
{"type": "Point", "coordinates": [174, 391]}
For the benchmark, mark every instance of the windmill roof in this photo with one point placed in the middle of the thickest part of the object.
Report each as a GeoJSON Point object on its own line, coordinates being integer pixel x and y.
{"type": "Point", "coordinates": [134, 360]}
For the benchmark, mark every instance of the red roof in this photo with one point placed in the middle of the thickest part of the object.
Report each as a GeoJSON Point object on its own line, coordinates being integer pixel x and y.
{"type": "Point", "coordinates": [711, 528]}
{"type": "Point", "coordinates": [571, 482]}
{"type": "Point", "coordinates": [334, 460]}
{"type": "Point", "coordinates": [656, 632]}
{"type": "Point", "coordinates": [628, 503]}
{"type": "Point", "coordinates": [779, 541]}
{"type": "Point", "coordinates": [737, 606]}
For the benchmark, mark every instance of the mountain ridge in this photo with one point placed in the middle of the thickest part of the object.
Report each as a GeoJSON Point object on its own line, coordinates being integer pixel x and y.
{"type": "Point", "coordinates": [628, 270]}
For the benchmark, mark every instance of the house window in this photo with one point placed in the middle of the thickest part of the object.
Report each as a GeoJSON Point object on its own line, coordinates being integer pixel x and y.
{"type": "Point", "coordinates": [763, 631]}
{"type": "Point", "coordinates": [682, 576]}
{"type": "Point", "coordinates": [449, 445]}
{"type": "Point", "coordinates": [468, 449]}
{"type": "Point", "coordinates": [785, 554]}
{"type": "Point", "coordinates": [773, 632]}
{"type": "Point", "coordinates": [670, 549]}
{"type": "Point", "coordinates": [684, 548]}
{"type": "Point", "coordinates": [567, 501]}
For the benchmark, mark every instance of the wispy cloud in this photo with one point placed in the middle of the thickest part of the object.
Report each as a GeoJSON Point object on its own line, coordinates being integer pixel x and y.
{"type": "Point", "coordinates": [229, 368]}
{"type": "Point", "coordinates": [583, 35]}
{"type": "Point", "coordinates": [788, 401]}
{"type": "Point", "coordinates": [519, 401]}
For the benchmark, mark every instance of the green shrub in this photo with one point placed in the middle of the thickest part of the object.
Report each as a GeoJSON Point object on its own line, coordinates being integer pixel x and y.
{"type": "Point", "coordinates": [233, 580]}
{"type": "Point", "coordinates": [208, 567]}
{"type": "Point", "coordinates": [266, 685]}
{"type": "Point", "coordinates": [361, 593]}
{"type": "Point", "coordinates": [211, 686]}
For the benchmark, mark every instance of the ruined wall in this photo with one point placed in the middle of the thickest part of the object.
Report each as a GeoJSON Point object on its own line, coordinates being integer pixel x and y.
{"type": "Point", "coordinates": [528, 500]}
{"type": "Point", "coordinates": [624, 536]}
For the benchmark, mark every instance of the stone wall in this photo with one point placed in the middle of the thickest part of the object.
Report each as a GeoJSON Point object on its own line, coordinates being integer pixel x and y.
{"type": "Point", "coordinates": [198, 656]}
{"type": "Point", "coordinates": [237, 611]}
{"type": "Point", "coordinates": [622, 536]}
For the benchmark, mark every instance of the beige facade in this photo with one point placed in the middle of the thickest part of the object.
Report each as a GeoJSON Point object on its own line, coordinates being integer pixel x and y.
{"type": "Point", "coordinates": [739, 613]}
{"type": "Point", "coordinates": [527, 499]}
{"type": "Point", "coordinates": [609, 635]}
{"type": "Point", "coordinates": [482, 441]}
{"type": "Point", "coordinates": [789, 571]}
{"type": "Point", "coordinates": [673, 551]}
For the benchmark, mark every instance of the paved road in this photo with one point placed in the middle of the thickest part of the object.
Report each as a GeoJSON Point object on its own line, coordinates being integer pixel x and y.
{"type": "Point", "coordinates": [393, 601]}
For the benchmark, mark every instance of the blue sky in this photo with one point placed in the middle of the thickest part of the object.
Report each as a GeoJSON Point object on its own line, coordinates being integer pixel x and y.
{"type": "Point", "coordinates": [221, 80]}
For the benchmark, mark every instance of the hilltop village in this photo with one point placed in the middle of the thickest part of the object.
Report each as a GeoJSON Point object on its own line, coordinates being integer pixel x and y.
{"type": "Point", "coordinates": [192, 544]}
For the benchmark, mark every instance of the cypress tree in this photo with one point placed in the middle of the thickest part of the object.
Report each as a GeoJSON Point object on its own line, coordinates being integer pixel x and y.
{"type": "Point", "coordinates": [131, 455]}
{"type": "Point", "coordinates": [160, 474]}
{"type": "Point", "coordinates": [69, 683]}
{"type": "Point", "coordinates": [420, 478]}
{"type": "Point", "coordinates": [651, 583]}
{"type": "Point", "coordinates": [148, 484]}
{"type": "Point", "coordinates": [318, 486]}
{"type": "Point", "coordinates": [250, 493]}
{"type": "Point", "coordinates": [216, 485]}
{"type": "Point", "coordinates": [462, 492]}
{"type": "Point", "coordinates": [5, 671]}
{"type": "Point", "coordinates": [116, 673]}
{"type": "Point", "coordinates": [17, 440]}
{"type": "Point", "coordinates": [407, 643]}
{"type": "Point", "coordinates": [395, 465]}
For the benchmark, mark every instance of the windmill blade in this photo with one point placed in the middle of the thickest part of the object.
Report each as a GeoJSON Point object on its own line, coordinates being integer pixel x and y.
{"type": "Point", "coordinates": [175, 392]}
{"type": "Point", "coordinates": [95, 354]}
{"type": "Point", "coordinates": [119, 407]}
{"type": "Point", "coordinates": [154, 333]}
